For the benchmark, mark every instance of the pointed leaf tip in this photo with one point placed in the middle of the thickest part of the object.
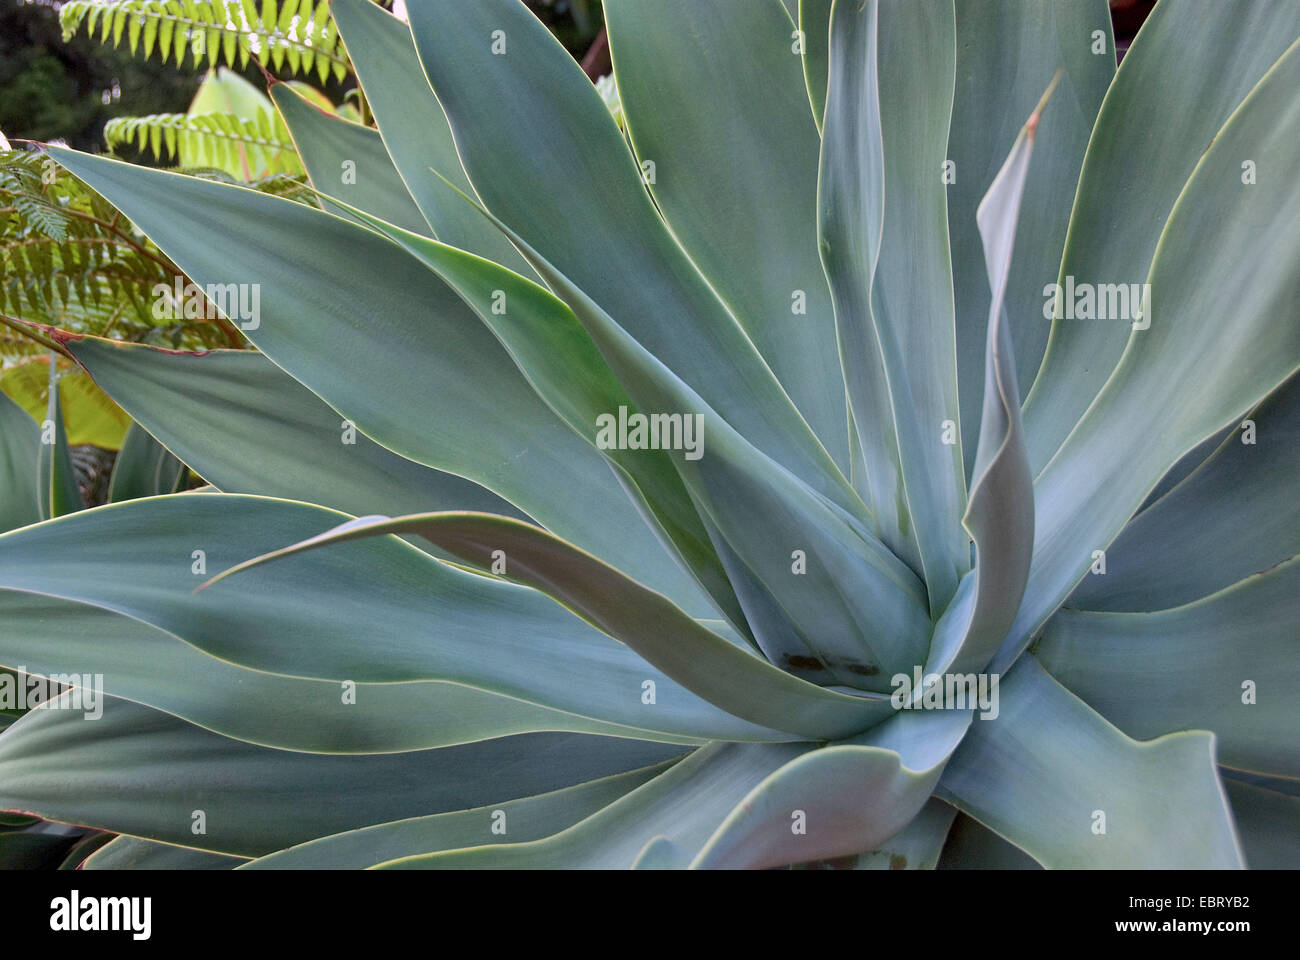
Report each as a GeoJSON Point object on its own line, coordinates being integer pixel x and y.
{"type": "Point", "coordinates": [1031, 125]}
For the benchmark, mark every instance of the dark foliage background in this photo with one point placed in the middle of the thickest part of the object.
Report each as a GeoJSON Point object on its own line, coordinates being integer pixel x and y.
{"type": "Point", "coordinates": [50, 89]}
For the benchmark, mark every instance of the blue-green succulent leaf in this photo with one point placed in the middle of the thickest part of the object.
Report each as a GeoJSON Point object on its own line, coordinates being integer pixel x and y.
{"type": "Point", "coordinates": [20, 450]}
{"type": "Point", "coordinates": [1007, 53]}
{"type": "Point", "coordinates": [144, 467]}
{"type": "Point", "coordinates": [1228, 663]}
{"type": "Point", "coordinates": [710, 666]}
{"type": "Point", "coordinates": [55, 474]}
{"type": "Point", "coordinates": [132, 853]}
{"type": "Point", "coordinates": [1185, 75]}
{"type": "Point", "coordinates": [676, 811]}
{"type": "Point", "coordinates": [1236, 514]}
{"type": "Point", "coordinates": [815, 25]}
{"type": "Point", "coordinates": [414, 128]}
{"type": "Point", "coordinates": [1182, 379]}
{"type": "Point", "coordinates": [383, 341]}
{"type": "Point", "coordinates": [145, 664]}
{"type": "Point", "coordinates": [515, 821]}
{"type": "Point", "coordinates": [840, 799]}
{"type": "Point", "coordinates": [379, 611]}
{"type": "Point", "coordinates": [246, 426]}
{"type": "Point", "coordinates": [884, 234]}
{"type": "Point", "coordinates": [1061, 783]}
{"type": "Point", "coordinates": [347, 160]}
{"type": "Point", "coordinates": [1000, 514]}
{"type": "Point", "coordinates": [522, 111]}
{"type": "Point", "coordinates": [702, 105]}
{"type": "Point", "coordinates": [147, 774]}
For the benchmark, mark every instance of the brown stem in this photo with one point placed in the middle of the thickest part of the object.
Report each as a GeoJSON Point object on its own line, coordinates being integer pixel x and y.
{"type": "Point", "coordinates": [37, 332]}
{"type": "Point", "coordinates": [596, 63]}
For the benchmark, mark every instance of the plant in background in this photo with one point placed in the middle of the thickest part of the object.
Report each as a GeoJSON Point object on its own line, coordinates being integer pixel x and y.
{"type": "Point", "coordinates": [278, 34]}
{"type": "Point", "coordinates": [722, 537]}
{"type": "Point", "coordinates": [230, 126]}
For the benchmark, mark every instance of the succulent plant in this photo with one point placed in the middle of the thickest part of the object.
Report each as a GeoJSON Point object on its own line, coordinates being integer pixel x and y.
{"type": "Point", "coordinates": [661, 494]}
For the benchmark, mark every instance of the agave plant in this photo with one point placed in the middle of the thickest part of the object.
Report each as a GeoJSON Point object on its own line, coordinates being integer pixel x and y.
{"type": "Point", "coordinates": [662, 495]}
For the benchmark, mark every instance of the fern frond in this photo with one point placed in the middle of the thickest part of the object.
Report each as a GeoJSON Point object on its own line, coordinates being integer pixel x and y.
{"type": "Point", "coordinates": [260, 145]}
{"type": "Point", "coordinates": [24, 178]}
{"type": "Point", "coordinates": [69, 259]}
{"type": "Point", "coordinates": [211, 31]}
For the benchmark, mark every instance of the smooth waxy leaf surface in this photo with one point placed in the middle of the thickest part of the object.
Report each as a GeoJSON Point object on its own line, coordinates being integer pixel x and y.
{"type": "Point", "coordinates": [421, 619]}
{"type": "Point", "coordinates": [132, 853]}
{"type": "Point", "coordinates": [414, 128]}
{"type": "Point", "coordinates": [677, 812]}
{"type": "Point", "coordinates": [703, 662]}
{"type": "Point", "coordinates": [20, 445]}
{"type": "Point", "coordinates": [1048, 773]}
{"type": "Point", "coordinates": [531, 115]}
{"type": "Point", "coordinates": [384, 342]}
{"type": "Point", "coordinates": [702, 105]}
{"type": "Point", "coordinates": [246, 426]}
{"type": "Point", "coordinates": [1189, 69]}
{"type": "Point", "coordinates": [144, 468]}
{"type": "Point", "coordinates": [1226, 663]}
{"type": "Point", "coordinates": [1236, 514]}
{"type": "Point", "coordinates": [1000, 514]}
{"type": "Point", "coordinates": [1209, 373]}
{"type": "Point", "coordinates": [516, 821]}
{"type": "Point", "coordinates": [142, 772]}
{"type": "Point", "coordinates": [48, 636]}
{"type": "Point", "coordinates": [1007, 53]}
{"type": "Point", "coordinates": [347, 160]}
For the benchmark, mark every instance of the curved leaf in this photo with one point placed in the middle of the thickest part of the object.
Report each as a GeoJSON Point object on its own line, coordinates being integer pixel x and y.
{"type": "Point", "coordinates": [884, 238]}
{"type": "Point", "coordinates": [854, 610]}
{"type": "Point", "coordinates": [702, 105]}
{"type": "Point", "coordinates": [132, 853]}
{"type": "Point", "coordinates": [20, 446]}
{"type": "Point", "coordinates": [1210, 373]}
{"type": "Point", "coordinates": [1007, 53]}
{"type": "Point", "coordinates": [414, 128]}
{"type": "Point", "coordinates": [144, 468]}
{"type": "Point", "coordinates": [388, 345]}
{"type": "Point", "coordinates": [815, 24]}
{"type": "Point", "coordinates": [530, 115]}
{"type": "Point", "coordinates": [47, 636]}
{"type": "Point", "coordinates": [246, 426]}
{"type": "Point", "coordinates": [1185, 75]}
{"type": "Point", "coordinates": [1000, 514]}
{"type": "Point", "coordinates": [347, 160]}
{"type": "Point", "coordinates": [564, 366]}
{"type": "Point", "coordinates": [1227, 663]}
{"type": "Point", "coordinates": [677, 811]}
{"type": "Point", "coordinates": [421, 619]}
{"type": "Point", "coordinates": [518, 821]}
{"type": "Point", "coordinates": [145, 773]}
{"type": "Point", "coordinates": [842, 798]}
{"type": "Point", "coordinates": [1050, 775]}
{"type": "Point", "coordinates": [916, 847]}
{"type": "Point", "coordinates": [1234, 515]}
{"type": "Point", "coordinates": [59, 492]}
{"type": "Point", "coordinates": [700, 660]}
